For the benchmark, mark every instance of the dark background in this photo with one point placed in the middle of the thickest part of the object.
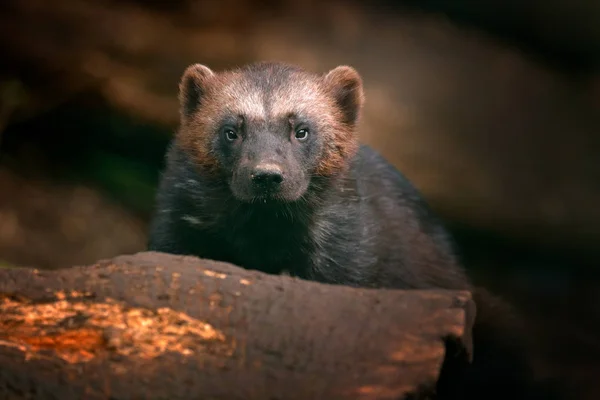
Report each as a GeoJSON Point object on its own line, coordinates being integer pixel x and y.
{"type": "Point", "coordinates": [492, 108]}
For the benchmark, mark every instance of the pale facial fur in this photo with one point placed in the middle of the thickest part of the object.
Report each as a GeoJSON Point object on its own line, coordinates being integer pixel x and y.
{"type": "Point", "coordinates": [269, 128]}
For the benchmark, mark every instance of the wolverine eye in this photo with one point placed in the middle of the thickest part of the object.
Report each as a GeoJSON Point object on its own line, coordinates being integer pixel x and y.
{"type": "Point", "coordinates": [230, 134]}
{"type": "Point", "coordinates": [302, 134]}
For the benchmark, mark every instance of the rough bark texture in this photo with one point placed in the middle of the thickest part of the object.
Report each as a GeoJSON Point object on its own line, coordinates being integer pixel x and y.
{"type": "Point", "coordinates": [156, 326]}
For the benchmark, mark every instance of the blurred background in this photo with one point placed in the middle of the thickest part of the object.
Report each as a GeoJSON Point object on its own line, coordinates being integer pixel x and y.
{"type": "Point", "coordinates": [491, 108]}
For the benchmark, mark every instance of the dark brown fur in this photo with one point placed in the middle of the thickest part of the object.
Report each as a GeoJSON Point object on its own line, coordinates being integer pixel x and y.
{"type": "Point", "coordinates": [347, 217]}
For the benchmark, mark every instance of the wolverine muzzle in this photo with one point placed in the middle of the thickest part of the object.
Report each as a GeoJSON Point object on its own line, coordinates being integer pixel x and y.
{"type": "Point", "coordinates": [267, 176]}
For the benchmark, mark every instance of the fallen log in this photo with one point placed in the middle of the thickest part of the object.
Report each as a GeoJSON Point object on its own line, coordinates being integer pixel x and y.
{"type": "Point", "coordinates": [157, 326]}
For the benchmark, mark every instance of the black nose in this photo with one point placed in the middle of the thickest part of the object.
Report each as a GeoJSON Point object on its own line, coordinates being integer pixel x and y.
{"type": "Point", "coordinates": [267, 175]}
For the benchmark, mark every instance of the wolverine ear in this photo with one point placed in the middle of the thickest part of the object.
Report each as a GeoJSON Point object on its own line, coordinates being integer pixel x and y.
{"type": "Point", "coordinates": [345, 85]}
{"type": "Point", "coordinates": [192, 87]}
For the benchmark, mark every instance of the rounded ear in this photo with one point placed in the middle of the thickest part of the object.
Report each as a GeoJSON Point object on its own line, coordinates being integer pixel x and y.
{"type": "Point", "coordinates": [345, 85]}
{"type": "Point", "coordinates": [192, 87]}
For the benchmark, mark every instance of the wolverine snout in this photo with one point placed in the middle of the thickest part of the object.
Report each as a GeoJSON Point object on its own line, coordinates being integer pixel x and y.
{"type": "Point", "coordinates": [267, 175]}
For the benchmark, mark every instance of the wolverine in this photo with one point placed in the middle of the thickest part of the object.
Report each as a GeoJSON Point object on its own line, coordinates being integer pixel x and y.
{"type": "Point", "coordinates": [266, 172]}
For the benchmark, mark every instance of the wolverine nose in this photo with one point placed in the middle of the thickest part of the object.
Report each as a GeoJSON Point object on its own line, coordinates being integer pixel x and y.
{"type": "Point", "coordinates": [267, 175]}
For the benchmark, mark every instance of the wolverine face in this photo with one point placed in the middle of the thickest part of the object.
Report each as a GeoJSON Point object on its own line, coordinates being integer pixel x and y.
{"type": "Point", "coordinates": [268, 129]}
{"type": "Point", "coordinates": [268, 158]}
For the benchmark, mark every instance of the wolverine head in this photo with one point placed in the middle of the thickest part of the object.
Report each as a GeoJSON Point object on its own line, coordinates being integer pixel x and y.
{"type": "Point", "coordinates": [268, 129]}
